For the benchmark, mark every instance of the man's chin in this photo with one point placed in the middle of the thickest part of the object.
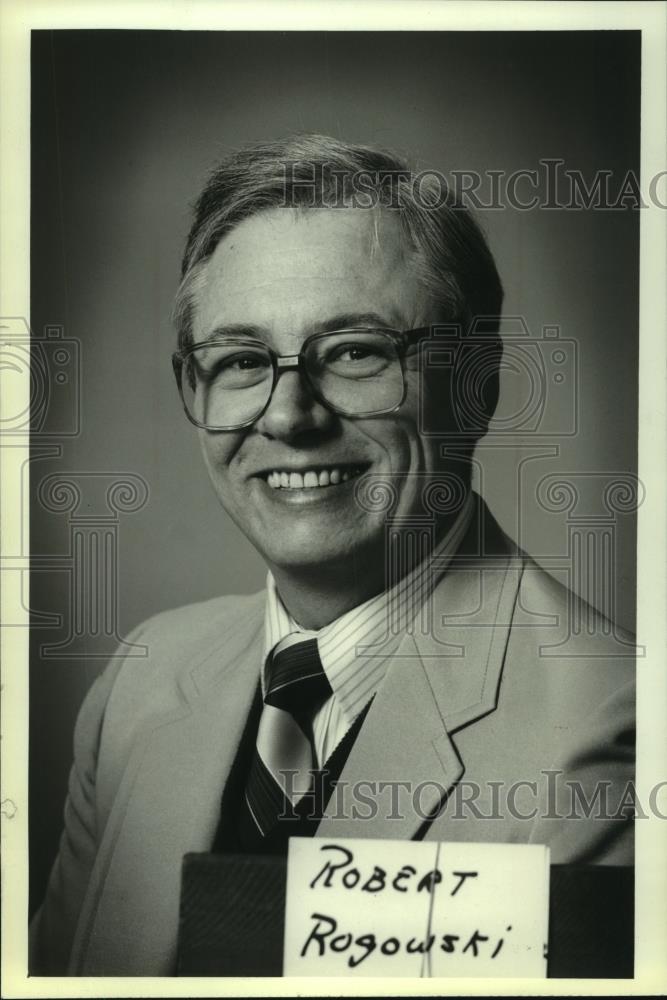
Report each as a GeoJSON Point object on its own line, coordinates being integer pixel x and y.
{"type": "Point", "coordinates": [306, 557]}
{"type": "Point", "coordinates": [297, 530]}
{"type": "Point", "coordinates": [326, 552]}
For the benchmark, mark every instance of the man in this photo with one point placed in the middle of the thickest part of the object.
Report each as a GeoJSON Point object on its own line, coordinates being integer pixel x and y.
{"type": "Point", "coordinates": [399, 646]}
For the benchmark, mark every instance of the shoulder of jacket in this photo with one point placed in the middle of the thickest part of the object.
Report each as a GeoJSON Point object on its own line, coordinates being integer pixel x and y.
{"type": "Point", "coordinates": [143, 684]}
{"type": "Point", "coordinates": [201, 619]}
{"type": "Point", "coordinates": [538, 585]}
{"type": "Point", "coordinates": [567, 649]}
{"type": "Point", "coordinates": [170, 642]}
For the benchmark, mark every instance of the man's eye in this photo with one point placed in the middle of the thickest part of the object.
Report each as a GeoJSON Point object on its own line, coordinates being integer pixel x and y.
{"type": "Point", "coordinates": [245, 363]}
{"type": "Point", "coordinates": [355, 360]}
{"type": "Point", "coordinates": [354, 352]}
{"type": "Point", "coordinates": [236, 368]}
{"type": "Point", "coordinates": [239, 362]}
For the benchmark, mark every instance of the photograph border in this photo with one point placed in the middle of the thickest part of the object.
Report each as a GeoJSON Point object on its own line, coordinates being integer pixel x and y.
{"type": "Point", "coordinates": [16, 21]}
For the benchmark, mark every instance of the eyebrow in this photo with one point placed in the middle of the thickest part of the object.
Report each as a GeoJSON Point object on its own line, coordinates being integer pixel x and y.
{"type": "Point", "coordinates": [341, 321]}
{"type": "Point", "coordinates": [244, 330]}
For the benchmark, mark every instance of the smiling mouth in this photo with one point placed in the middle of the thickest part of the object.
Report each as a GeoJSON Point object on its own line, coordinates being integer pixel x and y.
{"type": "Point", "coordinates": [320, 477]}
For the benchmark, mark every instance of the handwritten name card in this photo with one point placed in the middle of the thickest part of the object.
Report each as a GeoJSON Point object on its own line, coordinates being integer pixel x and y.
{"type": "Point", "coordinates": [404, 908]}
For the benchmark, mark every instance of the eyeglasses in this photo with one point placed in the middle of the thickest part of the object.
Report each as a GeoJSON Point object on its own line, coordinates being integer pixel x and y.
{"type": "Point", "coordinates": [227, 384]}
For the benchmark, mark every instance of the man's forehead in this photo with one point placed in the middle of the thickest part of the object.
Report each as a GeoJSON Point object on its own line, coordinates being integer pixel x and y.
{"type": "Point", "coordinates": [300, 240]}
{"type": "Point", "coordinates": [289, 265]}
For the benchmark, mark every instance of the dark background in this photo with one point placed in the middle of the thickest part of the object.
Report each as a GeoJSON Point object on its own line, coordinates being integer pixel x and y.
{"type": "Point", "coordinates": [125, 127]}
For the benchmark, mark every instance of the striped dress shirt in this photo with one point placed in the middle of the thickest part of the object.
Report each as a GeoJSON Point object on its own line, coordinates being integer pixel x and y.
{"type": "Point", "coordinates": [356, 648]}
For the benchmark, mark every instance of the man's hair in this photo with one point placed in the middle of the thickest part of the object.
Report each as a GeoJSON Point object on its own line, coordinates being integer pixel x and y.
{"type": "Point", "coordinates": [310, 171]}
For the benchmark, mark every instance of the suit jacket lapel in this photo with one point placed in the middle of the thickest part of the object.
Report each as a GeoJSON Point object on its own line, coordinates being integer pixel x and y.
{"type": "Point", "coordinates": [168, 804]}
{"type": "Point", "coordinates": [404, 744]}
{"type": "Point", "coordinates": [439, 681]}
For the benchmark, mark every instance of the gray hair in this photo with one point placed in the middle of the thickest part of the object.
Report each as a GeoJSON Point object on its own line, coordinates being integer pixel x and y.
{"type": "Point", "coordinates": [310, 171]}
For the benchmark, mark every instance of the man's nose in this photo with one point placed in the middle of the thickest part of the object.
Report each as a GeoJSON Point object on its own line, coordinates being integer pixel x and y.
{"type": "Point", "coordinates": [293, 409]}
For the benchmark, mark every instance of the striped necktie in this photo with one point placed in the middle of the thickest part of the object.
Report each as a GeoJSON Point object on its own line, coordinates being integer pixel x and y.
{"type": "Point", "coordinates": [281, 773]}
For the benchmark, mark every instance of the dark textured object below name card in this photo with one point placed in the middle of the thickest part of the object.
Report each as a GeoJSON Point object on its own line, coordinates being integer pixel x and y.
{"type": "Point", "coordinates": [233, 913]}
{"type": "Point", "coordinates": [591, 922]}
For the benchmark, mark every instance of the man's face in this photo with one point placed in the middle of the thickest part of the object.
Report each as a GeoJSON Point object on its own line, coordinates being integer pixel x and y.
{"type": "Point", "coordinates": [283, 276]}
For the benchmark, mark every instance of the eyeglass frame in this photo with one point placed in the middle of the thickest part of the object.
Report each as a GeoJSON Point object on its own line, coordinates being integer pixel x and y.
{"type": "Point", "coordinates": [295, 362]}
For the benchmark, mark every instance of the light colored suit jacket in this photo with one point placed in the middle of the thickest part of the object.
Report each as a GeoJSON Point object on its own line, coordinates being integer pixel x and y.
{"type": "Point", "coordinates": [515, 694]}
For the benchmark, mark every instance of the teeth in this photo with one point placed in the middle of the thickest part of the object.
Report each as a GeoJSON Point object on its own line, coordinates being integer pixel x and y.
{"type": "Point", "coordinates": [308, 480]}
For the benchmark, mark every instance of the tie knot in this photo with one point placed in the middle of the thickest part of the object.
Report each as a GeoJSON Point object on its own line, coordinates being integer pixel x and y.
{"type": "Point", "coordinates": [297, 681]}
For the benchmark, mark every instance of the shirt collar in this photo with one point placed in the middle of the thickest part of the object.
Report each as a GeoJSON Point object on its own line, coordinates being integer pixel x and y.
{"type": "Point", "coordinates": [355, 648]}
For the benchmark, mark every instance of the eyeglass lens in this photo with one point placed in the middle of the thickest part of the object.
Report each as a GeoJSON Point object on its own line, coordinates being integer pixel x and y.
{"type": "Point", "coordinates": [229, 383]}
